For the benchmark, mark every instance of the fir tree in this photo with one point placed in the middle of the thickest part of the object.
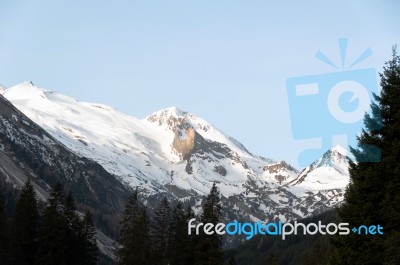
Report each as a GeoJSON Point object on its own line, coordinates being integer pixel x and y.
{"type": "Point", "coordinates": [232, 261]}
{"type": "Point", "coordinates": [272, 258]}
{"type": "Point", "coordinates": [134, 235]}
{"type": "Point", "coordinates": [209, 249]}
{"type": "Point", "coordinates": [4, 246]}
{"type": "Point", "coordinates": [88, 244]}
{"type": "Point", "coordinates": [52, 237]}
{"type": "Point", "coordinates": [191, 240]}
{"type": "Point", "coordinates": [24, 227]}
{"type": "Point", "coordinates": [372, 196]}
{"type": "Point", "coordinates": [161, 233]}
{"type": "Point", "coordinates": [181, 247]}
{"type": "Point", "coordinates": [73, 240]}
{"type": "Point", "coordinates": [64, 238]}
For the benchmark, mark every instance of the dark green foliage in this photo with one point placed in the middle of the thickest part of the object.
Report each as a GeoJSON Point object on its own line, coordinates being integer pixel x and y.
{"type": "Point", "coordinates": [24, 227]}
{"type": "Point", "coordinates": [64, 238]}
{"type": "Point", "coordinates": [161, 232]}
{"type": "Point", "coordinates": [4, 239]}
{"type": "Point", "coordinates": [88, 246]}
{"type": "Point", "coordinates": [57, 235]}
{"type": "Point", "coordinates": [134, 235]}
{"type": "Point", "coordinates": [53, 232]}
{"type": "Point", "coordinates": [373, 197]}
{"type": "Point", "coordinates": [209, 247]}
{"type": "Point", "coordinates": [182, 244]}
{"type": "Point", "coordinates": [231, 261]}
{"type": "Point", "coordinates": [73, 227]}
{"type": "Point", "coordinates": [272, 258]}
{"type": "Point", "coordinates": [294, 250]}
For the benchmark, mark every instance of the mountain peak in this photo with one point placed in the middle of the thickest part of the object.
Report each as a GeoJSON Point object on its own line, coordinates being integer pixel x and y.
{"type": "Point", "coordinates": [2, 89]}
{"type": "Point", "coordinates": [25, 91]}
{"type": "Point", "coordinates": [339, 149]}
{"type": "Point", "coordinates": [335, 156]}
{"type": "Point", "coordinates": [28, 84]}
{"type": "Point", "coordinates": [177, 152]}
{"type": "Point", "coordinates": [25, 84]}
{"type": "Point", "coordinates": [168, 116]}
{"type": "Point", "coordinates": [171, 112]}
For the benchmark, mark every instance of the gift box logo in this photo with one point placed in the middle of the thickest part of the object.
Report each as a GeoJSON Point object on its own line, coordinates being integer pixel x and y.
{"type": "Point", "coordinates": [330, 107]}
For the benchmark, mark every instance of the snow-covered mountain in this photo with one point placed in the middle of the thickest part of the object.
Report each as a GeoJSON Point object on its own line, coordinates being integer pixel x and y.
{"type": "Point", "coordinates": [177, 153]}
{"type": "Point", "coordinates": [322, 184]}
{"type": "Point", "coordinates": [28, 151]}
{"type": "Point", "coordinates": [2, 89]}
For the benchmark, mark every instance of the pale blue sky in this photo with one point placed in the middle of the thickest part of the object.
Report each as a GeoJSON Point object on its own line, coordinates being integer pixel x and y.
{"type": "Point", "coordinates": [225, 61]}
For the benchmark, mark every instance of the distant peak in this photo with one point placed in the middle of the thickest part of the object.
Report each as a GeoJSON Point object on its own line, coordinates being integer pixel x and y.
{"type": "Point", "coordinates": [28, 84]}
{"type": "Point", "coordinates": [339, 149]}
{"type": "Point", "coordinates": [168, 113]}
{"type": "Point", "coordinates": [25, 90]}
{"type": "Point", "coordinates": [2, 89]}
{"type": "Point", "coordinates": [173, 111]}
{"type": "Point", "coordinates": [169, 117]}
{"type": "Point", "coordinates": [335, 155]}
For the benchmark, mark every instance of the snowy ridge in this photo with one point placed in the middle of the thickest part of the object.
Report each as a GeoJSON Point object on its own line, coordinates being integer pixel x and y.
{"type": "Point", "coordinates": [179, 153]}
{"type": "Point", "coordinates": [324, 180]}
{"type": "Point", "coordinates": [138, 151]}
{"type": "Point", "coordinates": [2, 89]}
{"type": "Point", "coordinates": [328, 172]}
{"type": "Point", "coordinates": [165, 118]}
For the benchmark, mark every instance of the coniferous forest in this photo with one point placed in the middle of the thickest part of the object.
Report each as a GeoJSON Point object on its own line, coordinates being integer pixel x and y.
{"type": "Point", "coordinates": [372, 197]}
{"type": "Point", "coordinates": [165, 240]}
{"type": "Point", "coordinates": [373, 194]}
{"type": "Point", "coordinates": [54, 233]}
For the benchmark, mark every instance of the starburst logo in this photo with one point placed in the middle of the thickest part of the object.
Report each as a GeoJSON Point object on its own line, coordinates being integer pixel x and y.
{"type": "Point", "coordinates": [330, 108]}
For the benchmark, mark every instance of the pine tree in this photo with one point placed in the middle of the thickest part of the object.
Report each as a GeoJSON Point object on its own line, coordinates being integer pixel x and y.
{"type": "Point", "coordinates": [372, 196]}
{"type": "Point", "coordinates": [88, 244]}
{"type": "Point", "coordinates": [232, 261]}
{"type": "Point", "coordinates": [52, 238]}
{"type": "Point", "coordinates": [181, 247]}
{"type": "Point", "coordinates": [73, 227]}
{"type": "Point", "coordinates": [161, 232]}
{"type": "Point", "coordinates": [134, 235]}
{"type": "Point", "coordinates": [4, 246]}
{"type": "Point", "coordinates": [272, 258]}
{"type": "Point", "coordinates": [64, 238]}
{"type": "Point", "coordinates": [24, 227]}
{"type": "Point", "coordinates": [209, 247]}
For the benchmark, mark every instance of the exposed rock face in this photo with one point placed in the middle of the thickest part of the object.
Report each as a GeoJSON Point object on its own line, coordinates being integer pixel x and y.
{"type": "Point", "coordinates": [170, 153]}
{"type": "Point", "coordinates": [184, 141]}
{"type": "Point", "coordinates": [281, 171]}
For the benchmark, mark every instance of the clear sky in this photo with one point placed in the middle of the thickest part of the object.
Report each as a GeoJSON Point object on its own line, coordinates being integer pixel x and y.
{"type": "Point", "coordinates": [225, 61]}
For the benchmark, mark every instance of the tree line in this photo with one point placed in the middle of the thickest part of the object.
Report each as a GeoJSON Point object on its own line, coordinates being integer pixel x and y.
{"type": "Point", "coordinates": [164, 239]}
{"type": "Point", "coordinates": [56, 235]}
{"type": "Point", "coordinates": [371, 198]}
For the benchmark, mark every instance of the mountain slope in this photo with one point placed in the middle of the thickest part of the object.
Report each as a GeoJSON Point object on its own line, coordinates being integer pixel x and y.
{"type": "Point", "coordinates": [176, 153]}
{"type": "Point", "coordinates": [321, 185]}
{"type": "Point", "coordinates": [28, 151]}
